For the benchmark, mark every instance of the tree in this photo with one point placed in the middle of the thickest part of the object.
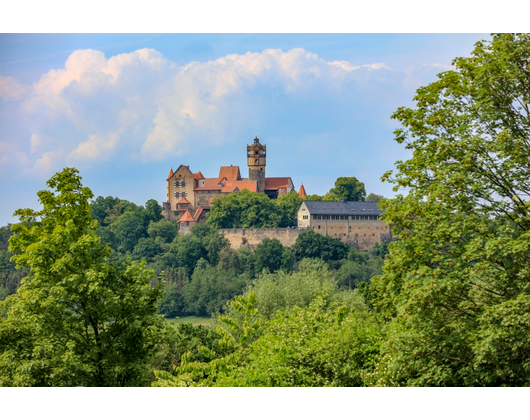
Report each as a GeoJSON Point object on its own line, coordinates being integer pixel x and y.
{"type": "Point", "coordinates": [164, 229]}
{"type": "Point", "coordinates": [288, 206]}
{"type": "Point", "coordinates": [76, 319]}
{"type": "Point", "coordinates": [313, 197]}
{"type": "Point", "coordinates": [456, 281]}
{"type": "Point", "coordinates": [268, 255]}
{"type": "Point", "coordinates": [243, 209]}
{"type": "Point", "coordinates": [292, 349]}
{"type": "Point", "coordinates": [349, 189]}
{"type": "Point", "coordinates": [128, 229]}
{"type": "Point", "coordinates": [210, 288]}
{"type": "Point", "coordinates": [309, 244]}
{"type": "Point", "coordinates": [374, 197]}
{"type": "Point", "coordinates": [101, 207]}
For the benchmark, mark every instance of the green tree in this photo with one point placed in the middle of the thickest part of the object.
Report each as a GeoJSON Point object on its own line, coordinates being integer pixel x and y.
{"type": "Point", "coordinates": [244, 209]}
{"type": "Point", "coordinates": [374, 197]}
{"type": "Point", "coordinates": [288, 206]}
{"type": "Point", "coordinates": [164, 229]}
{"type": "Point", "coordinates": [128, 229]}
{"type": "Point", "coordinates": [268, 255]}
{"type": "Point", "coordinates": [311, 346]}
{"type": "Point", "coordinates": [101, 207]}
{"type": "Point", "coordinates": [313, 197]}
{"type": "Point", "coordinates": [457, 280]}
{"type": "Point", "coordinates": [309, 244]}
{"type": "Point", "coordinates": [210, 288]}
{"type": "Point", "coordinates": [76, 319]}
{"type": "Point", "coordinates": [148, 249]}
{"type": "Point", "coordinates": [349, 189]}
{"type": "Point", "coordinates": [5, 234]}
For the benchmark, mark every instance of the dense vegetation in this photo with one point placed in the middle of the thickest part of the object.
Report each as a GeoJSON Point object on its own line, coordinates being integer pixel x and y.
{"type": "Point", "coordinates": [451, 306]}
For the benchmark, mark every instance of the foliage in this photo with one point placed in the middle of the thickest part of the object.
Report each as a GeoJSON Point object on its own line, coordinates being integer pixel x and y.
{"type": "Point", "coordinates": [268, 255]}
{"type": "Point", "coordinates": [288, 206]}
{"type": "Point", "coordinates": [76, 319]}
{"type": "Point", "coordinates": [313, 197]}
{"type": "Point", "coordinates": [210, 288]}
{"type": "Point", "coordinates": [174, 303]}
{"type": "Point", "coordinates": [101, 207]}
{"type": "Point", "coordinates": [244, 209]}
{"type": "Point", "coordinates": [186, 339]}
{"type": "Point", "coordinates": [5, 234]}
{"type": "Point", "coordinates": [3, 293]}
{"type": "Point", "coordinates": [349, 189]}
{"type": "Point", "coordinates": [309, 244]}
{"type": "Point", "coordinates": [352, 273]}
{"type": "Point", "coordinates": [164, 229]}
{"type": "Point", "coordinates": [374, 197]}
{"type": "Point", "coordinates": [457, 281]}
{"type": "Point", "coordinates": [281, 291]}
{"type": "Point", "coordinates": [311, 346]}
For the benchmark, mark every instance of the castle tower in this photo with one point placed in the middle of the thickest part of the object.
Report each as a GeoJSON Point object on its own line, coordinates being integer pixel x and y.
{"type": "Point", "coordinates": [257, 160]}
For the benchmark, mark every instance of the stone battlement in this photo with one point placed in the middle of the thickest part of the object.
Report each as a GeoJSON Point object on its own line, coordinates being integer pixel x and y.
{"type": "Point", "coordinates": [252, 237]}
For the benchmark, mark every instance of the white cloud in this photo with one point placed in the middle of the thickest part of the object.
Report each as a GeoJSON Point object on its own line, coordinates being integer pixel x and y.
{"type": "Point", "coordinates": [47, 163]}
{"type": "Point", "coordinates": [439, 65]}
{"type": "Point", "coordinates": [142, 102]}
{"type": "Point", "coordinates": [348, 67]}
{"type": "Point", "coordinates": [11, 89]}
{"type": "Point", "coordinates": [35, 142]}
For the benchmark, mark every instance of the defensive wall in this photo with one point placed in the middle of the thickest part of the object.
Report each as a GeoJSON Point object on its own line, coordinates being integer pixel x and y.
{"type": "Point", "coordinates": [252, 237]}
{"type": "Point", "coordinates": [363, 235]}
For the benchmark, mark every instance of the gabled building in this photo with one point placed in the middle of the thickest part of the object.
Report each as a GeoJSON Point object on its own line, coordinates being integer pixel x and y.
{"type": "Point", "coordinates": [187, 191]}
{"type": "Point", "coordinates": [353, 222]}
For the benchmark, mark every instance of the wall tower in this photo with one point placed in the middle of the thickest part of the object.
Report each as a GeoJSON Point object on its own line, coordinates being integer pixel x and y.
{"type": "Point", "coordinates": [257, 160]}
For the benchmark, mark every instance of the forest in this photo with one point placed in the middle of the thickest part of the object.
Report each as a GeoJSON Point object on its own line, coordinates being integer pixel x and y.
{"type": "Point", "coordinates": [87, 282]}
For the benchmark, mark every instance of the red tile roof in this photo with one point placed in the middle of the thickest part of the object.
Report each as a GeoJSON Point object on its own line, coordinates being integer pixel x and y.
{"type": "Point", "coordinates": [210, 184]}
{"type": "Point", "coordinates": [231, 173]}
{"type": "Point", "coordinates": [198, 213]}
{"type": "Point", "coordinates": [183, 201]}
{"type": "Point", "coordinates": [275, 183]}
{"type": "Point", "coordinates": [230, 186]}
{"type": "Point", "coordinates": [170, 174]}
{"type": "Point", "coordinates": [186, 217]}
{"type": "Point", "coordinates": [302, 193]}
{"type": "Point", "coordinates": [199, 175]}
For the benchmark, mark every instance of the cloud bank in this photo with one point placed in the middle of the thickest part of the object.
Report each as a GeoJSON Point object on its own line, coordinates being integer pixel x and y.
{"type": "Point", "coordinates": [145, 107]}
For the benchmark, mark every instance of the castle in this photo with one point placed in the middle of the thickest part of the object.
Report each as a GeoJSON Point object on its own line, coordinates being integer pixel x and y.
{"type": "Point", "coordinates": [189, 195]}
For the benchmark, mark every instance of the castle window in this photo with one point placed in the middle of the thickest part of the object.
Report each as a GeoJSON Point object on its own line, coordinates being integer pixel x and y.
{"type": "Point", "coordinates": [319, 226]}
{"type": "Point", "coordinates": [175, 195]}
{"type": "Point", "coordinates": [175, 184]}
{"type": "Point", "coordinates": [256, 161]}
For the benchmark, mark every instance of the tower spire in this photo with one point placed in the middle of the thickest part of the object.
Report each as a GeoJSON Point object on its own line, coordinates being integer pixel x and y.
{"type": "Point", "coordinates": [256, 159]}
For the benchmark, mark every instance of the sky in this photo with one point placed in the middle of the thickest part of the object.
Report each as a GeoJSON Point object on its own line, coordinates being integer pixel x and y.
{"type": "Point", "coordinates": [126, 108]}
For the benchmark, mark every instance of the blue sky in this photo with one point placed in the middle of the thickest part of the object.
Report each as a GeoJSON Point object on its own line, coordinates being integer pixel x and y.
{"type": "Point", "coordinates": [124, 109]}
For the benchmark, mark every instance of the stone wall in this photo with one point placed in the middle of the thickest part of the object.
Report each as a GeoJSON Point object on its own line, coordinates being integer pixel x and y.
{"type": "Point", "coordinates": [202, 198]}
{"type": "Point", "coordinates": [363, 234]}
{"type": "Point", "coordinates": [252, 237]}
{"type": "Point", "coordinates": [167, 212]}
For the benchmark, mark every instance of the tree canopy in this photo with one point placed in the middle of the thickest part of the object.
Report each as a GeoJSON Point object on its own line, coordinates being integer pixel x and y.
{"type": "Point", "coordinates": [76, 319]}
{"type": "Point", "coordinates": [457, 280]}
{"type": "Point", "coordinates": [349, 189]}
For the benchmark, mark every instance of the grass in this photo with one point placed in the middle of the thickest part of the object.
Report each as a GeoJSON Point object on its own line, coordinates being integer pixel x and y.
{"type": "Point", "coordinates": [194, 320]}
